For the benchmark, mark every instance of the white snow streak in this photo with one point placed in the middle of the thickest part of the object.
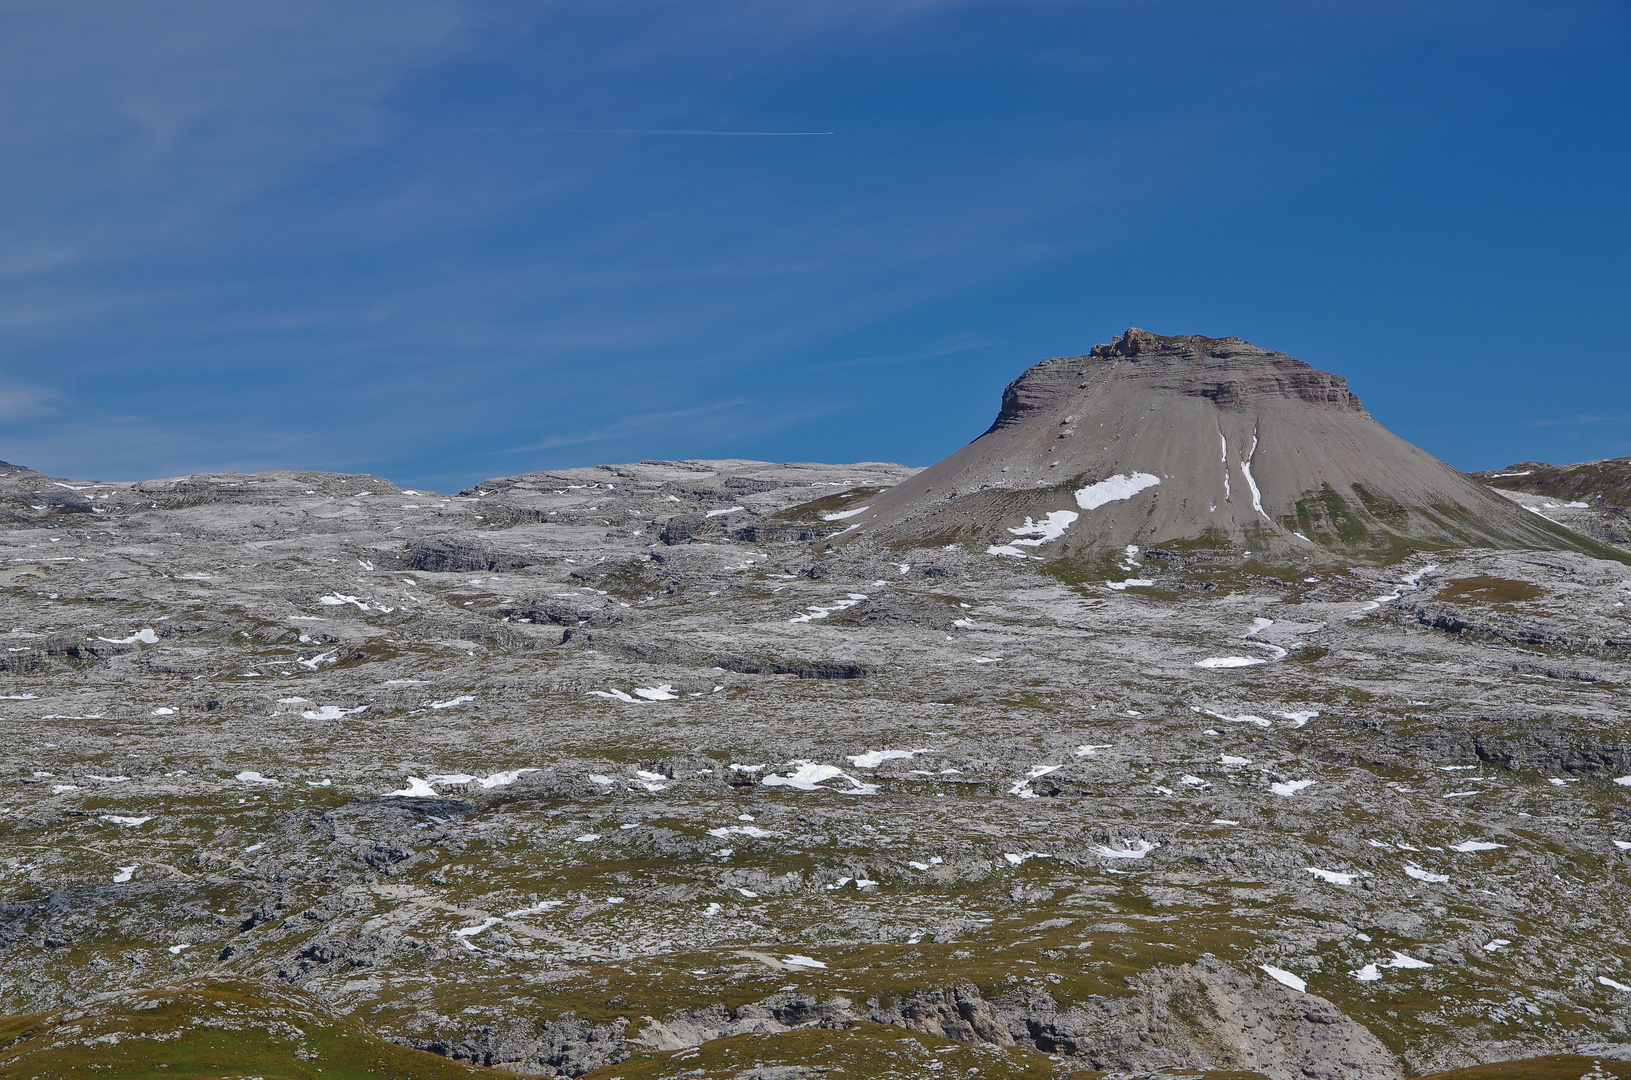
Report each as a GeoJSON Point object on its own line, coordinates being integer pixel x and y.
{"type": "Point", "coordinates": [814, 612]}
{"type": "Point", "coordinates": [1246, 469]}
{"type": "Point", "coordinates": [416, 789]}
{"type": "Point", "coordinates": [1130, 849]}
{"type": "Point", "coordinates": [1335, 877]}
{"type": "Point", "coordinates": [1476, 845]}
{"type": "Point", "coordinates": [1284, 977]}
{"type": "Point", "coordinates": [1115, 489]}
{"type": "Point", "coordinates": [1036, 533]}
{"type": "Point", "coordinates": [873, 758]}
{"type": "Point", "coordinates": [809, 776]}
{"type": "Point", "coordinates": [1425, 875]}
{"type": "Point", "coordinates": [146, 636]}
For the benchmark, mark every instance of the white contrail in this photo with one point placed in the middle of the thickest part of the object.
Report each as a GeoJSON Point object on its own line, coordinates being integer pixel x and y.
{"type": "Point", "coordinates": [660, 131]}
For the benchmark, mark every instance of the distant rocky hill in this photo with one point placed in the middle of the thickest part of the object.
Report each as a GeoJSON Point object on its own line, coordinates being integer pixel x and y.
{"type": "Point", "coordinates": [1607, 481]}
{"type": "Point", "coordinates": [1590, 497]}
{"type": "Point", "coordinates": [1191, 441]}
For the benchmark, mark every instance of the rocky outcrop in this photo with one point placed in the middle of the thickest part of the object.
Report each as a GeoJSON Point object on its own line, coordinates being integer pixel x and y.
{"type": "Point", "coordinates": [1206, 1015]}
{"type": "Point", "coordinates": [779, 1013]}
{"type": "Point", "coordinates": [458, 556]}
{"type": "Point", "coordinates": [564, 1047]}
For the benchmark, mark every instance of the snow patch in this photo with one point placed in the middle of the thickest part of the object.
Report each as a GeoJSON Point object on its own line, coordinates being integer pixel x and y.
{"type": "Point", "coordinates": [873, 758]}
{"type": "Point", "coordinates": [615, 695]}
{"type": "Point", "coordinates": [1022, 788]}
{"type": "Point", "coordinates": [808, 776]}
{"type": "Point", "coordinates": [1115, 489]}
{"type": "Point", "coordinates": [1284, 977]}
{"type": "Point", "coordinates": [814, 612]}
{"type": "Point", "coordinates": [472, 931]}
{"type": "Point", "coordinates": [145, 635]}
{"type": "Point", "coordinates": [416, 789]}
{"type": "Point", "coordinates": [1425, 875]}
{"type": "Point", "coordinates": [330, 712]}
{"type": "Point", "coordinates": [1251, 482]}
{"type": "Point", "coordinates": [1476, 845]}
{"type": "Point", "coordinates": [498, 779]}
{"type": "Point", "coordinates": [1335, 877]}
{"type": "Point", "coordinates": [1018, 858]}
{"type": "Point", "coordinates": [742, 830]}
{"type": "Point", "coordinates": [1130, 849]}
{"type": "Point", "coordinates": [1036, 533]}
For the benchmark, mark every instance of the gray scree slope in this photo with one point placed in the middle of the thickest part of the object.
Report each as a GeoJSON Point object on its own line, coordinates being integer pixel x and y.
{"type": "Point", "coordinates": [1215, 441]}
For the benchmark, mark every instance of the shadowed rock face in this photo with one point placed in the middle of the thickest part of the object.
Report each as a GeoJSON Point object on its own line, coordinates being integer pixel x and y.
{"type": "Point", "coordinates": [1174, 441]}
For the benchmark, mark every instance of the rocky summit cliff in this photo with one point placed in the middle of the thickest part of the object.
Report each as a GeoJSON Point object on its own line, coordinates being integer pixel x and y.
{"type": "Point", "coordinates": [1195, 441]}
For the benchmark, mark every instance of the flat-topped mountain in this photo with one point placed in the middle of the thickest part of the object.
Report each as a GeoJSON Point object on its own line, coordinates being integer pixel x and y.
{"type": "Point", "coordinates": [1196, 441]}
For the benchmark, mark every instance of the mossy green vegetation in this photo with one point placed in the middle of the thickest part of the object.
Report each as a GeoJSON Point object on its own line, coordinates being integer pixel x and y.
{"type": "Point", "coordinates": [1489, 590]}
{"type": "Point", "coordinates": [836, 503]}
{"type": "Point", "coordinates": [866, 1051]}
{"type": "Point", "coordinates": [210, 1029]}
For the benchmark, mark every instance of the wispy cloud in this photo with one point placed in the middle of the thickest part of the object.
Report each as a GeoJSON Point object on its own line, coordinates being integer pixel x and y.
{"type": "Point", "coordinates": [19, 401]}
{"type": "Point", "coordinates": [649, 131]}
{"type": "Point", "coordinates": [632, 425]}
{"type": "Point", "coordinates": [946, 346]}
{"type": "Point", "coordinates": [399, 234]}
{"type": "Point", "coordinates": [1578, 421]}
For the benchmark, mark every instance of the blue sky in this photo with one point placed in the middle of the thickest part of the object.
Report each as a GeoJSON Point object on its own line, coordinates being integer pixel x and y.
{"type": "Point", "coordinates": [436, 241]}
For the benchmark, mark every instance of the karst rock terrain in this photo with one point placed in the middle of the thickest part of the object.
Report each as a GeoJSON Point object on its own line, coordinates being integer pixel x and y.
{"type": "Point", "coordinates": [1291, 751]}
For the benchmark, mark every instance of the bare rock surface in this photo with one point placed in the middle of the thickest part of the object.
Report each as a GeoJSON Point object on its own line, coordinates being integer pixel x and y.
{"type": "Point", "coordinates": [645, 760]}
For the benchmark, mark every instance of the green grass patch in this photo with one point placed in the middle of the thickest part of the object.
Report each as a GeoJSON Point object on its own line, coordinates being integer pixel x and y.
{"type": "Point", "coordinates": [226, 1029]}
